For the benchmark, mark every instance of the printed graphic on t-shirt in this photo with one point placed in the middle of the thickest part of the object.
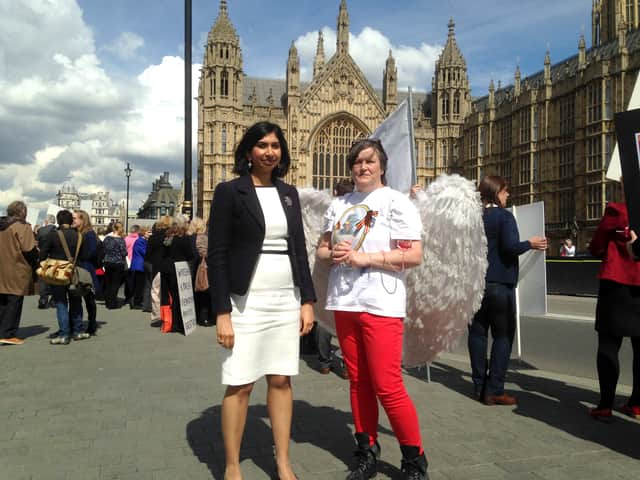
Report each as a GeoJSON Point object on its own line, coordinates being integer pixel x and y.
{"type": "Point", "coordinates": [353, 225]}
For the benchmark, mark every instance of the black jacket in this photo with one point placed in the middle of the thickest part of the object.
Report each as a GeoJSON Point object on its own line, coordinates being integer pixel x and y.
{"type": "Point", "coordinates": [236, 235]}
{"type": "Point", "coordinates": [52, 247]}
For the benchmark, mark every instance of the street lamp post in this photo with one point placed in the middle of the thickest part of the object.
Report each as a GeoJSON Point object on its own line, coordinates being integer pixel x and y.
{"type": "Point", "coordinates": [187, 205]}
{"type": "Point", "coordinates": [127, 172]}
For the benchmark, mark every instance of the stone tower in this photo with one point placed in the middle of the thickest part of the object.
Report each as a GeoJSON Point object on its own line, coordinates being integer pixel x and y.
{"type": "Point", "coordinates": [610, 18]}
{"type": "Point", "coordinates": [220, 119]}
{"type": "Point", "coordinates": [390, 85]}
{"type": "Point", "coordinates": [451, 101]}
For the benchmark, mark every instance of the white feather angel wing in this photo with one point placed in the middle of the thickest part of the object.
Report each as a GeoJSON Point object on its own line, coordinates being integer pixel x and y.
{"type": "Point", "coordinates": [314, 204]}
{"type": "Point", "coordinates": [446, 290]}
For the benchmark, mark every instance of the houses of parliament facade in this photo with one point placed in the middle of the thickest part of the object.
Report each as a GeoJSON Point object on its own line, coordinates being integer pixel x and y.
{"type": "Point", "coordinates": [549, 134]}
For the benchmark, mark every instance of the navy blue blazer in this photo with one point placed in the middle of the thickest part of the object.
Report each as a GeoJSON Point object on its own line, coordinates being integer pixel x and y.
{"type": "Point", "coordinates": [236, 235]}
{"type": "Point", "coordinates": [504, 246]}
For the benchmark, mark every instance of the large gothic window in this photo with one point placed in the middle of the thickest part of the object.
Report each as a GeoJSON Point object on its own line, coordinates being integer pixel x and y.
{"type": "Point", "coordinates": [329, 152]}
{"type": "Point", "coordinates": [224, 84]}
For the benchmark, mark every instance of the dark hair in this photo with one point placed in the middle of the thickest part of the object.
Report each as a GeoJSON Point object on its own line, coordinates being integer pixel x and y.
{"type": "Point", "coordinates": [360, 145]}
{"type": "Point", "coordinates": [64, 217]}
{"type": "Point", "coordinates": [342, 187]}
{"type": "Point", "coordinates": [17, 210]}
{"type": "Point", "coordinates": [249, 140]}
{"type": "Point", "coordinates": [489, 187]}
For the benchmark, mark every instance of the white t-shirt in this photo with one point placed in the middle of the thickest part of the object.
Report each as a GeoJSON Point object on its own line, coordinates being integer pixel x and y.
{"type": "Point", "coordinates": [391, 216]}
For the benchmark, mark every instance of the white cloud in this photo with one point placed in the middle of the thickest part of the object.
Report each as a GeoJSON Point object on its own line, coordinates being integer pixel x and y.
{"type": "Point", "coordinates": [370, 49]}
{"type": "Point", "coordinates": [126, 46]}
{"type": "Point", "coordinates": [65, 116]}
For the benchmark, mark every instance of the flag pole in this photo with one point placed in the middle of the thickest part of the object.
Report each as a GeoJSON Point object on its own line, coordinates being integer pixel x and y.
{"type": "Point", "coordinates": [414, 176]}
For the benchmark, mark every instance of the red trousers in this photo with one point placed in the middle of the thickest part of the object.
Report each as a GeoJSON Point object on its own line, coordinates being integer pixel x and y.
{"type": "Point", "coordinates": [372, 350]}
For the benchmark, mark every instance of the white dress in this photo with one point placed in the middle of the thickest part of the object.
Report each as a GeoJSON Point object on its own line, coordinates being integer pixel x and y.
{"type": "Point", "coordinates": [266, 320]}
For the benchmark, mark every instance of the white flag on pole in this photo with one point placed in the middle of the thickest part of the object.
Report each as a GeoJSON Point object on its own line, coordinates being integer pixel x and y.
{"type": "Point", "coordinates": [614, 170]}
{"type": "Point", "coordinates": [395, 135]}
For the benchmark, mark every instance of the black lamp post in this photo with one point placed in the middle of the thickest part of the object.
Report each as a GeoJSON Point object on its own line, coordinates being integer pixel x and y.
{"type": "Point", "coordinates": [127, 172]}
{"type": "Point", "coordinates": [187, 205]}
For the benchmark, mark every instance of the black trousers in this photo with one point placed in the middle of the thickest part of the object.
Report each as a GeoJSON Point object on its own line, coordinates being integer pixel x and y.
{"type": "Point", "coordinates": [609, 369]}
{"type": "Point", "coordinates": [113, 273]}
{"type": "Point", "coordinates": [10, 313]}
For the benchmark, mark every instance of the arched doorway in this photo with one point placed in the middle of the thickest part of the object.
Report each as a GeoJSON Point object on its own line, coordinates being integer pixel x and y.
{"type": "Point", "coordinates": [330, 148]}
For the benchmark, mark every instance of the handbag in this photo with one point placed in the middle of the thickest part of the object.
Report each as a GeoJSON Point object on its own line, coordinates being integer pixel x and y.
{"type": "Point", "coordinates": [54, 271]}
{"type": "Point", "coordinates": [202, 277]}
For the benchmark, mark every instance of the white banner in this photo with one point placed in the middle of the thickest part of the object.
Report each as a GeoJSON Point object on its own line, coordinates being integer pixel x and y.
{"type": "Point", "coordinates": [185, 292]}
{"type": "Point", "coordinates": [614, 169]}
{"type": "Point", "coordinates": [395, 136]}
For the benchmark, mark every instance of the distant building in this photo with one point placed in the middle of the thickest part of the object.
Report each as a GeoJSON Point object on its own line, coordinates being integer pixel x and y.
{"type": "Point", "coordinates": [99, 205]}
{"type": "Point", "coordinates": [162, 200]}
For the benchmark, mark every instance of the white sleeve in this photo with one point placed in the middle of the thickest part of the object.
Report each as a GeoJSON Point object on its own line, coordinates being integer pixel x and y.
{"type": "Point", "coordinates": [405, 222]}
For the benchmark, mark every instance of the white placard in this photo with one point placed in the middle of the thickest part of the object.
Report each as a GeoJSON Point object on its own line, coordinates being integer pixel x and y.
{"type": "Point", "coordinates": [185, 292]}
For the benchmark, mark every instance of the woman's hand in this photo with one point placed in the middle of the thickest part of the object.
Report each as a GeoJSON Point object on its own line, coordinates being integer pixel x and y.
{"type": "Point", "coordinates": [224, 330]}
{"type": "Point", "coordinates": [306, 318]}
{"type": "Point", "coordinates": [341, 253]}
{"type": "Point", "coordinates": [632, 238]}
{"type": "Point", "coordinates": [538, 243]}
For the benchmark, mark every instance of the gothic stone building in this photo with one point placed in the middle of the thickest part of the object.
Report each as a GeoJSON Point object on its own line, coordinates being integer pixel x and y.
{"type": "Point", "coordinates": [321, 118]}
{"type": "Point", "coordinates": [550, 134]}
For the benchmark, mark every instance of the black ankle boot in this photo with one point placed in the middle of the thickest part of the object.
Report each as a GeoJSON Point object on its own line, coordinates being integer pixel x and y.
{"type": "Point", "coordinates": [366, 462]}
{"type": "Point", "coordinates": [414, 464]}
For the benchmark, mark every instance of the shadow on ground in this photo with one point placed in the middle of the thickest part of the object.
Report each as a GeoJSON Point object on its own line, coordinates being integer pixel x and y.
{"type": "Point", "coordinates": [555, 403]}
{"type": "Point", "coordinates": [326, 428]}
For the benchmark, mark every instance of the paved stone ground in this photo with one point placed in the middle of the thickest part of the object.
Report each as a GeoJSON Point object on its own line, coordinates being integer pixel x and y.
{"type": "Point", "coordinates": [133, 403]}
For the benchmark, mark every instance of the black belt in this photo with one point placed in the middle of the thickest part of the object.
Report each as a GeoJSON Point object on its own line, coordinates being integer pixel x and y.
{"type": "Point", "coordinates": [276, 252]}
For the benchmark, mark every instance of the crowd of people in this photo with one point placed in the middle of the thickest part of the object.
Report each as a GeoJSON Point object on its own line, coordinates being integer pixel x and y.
{"type": "Point", "coordinates": [257, 289]}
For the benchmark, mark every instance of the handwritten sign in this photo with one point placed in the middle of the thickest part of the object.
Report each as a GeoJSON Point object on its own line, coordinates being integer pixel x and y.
{"type": "Point", "coordinates": [185, 292]}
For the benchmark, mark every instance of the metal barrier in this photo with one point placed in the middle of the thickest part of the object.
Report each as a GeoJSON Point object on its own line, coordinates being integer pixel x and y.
{"type": "Point", "coordinates": [573, 275]}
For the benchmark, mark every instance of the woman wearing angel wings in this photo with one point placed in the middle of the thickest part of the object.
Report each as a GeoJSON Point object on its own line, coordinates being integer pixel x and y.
{"type": "Point", "coordinates": [372, 236]}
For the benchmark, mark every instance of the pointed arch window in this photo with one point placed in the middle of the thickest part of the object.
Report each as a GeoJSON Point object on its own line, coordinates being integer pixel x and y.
{"type": "Point", "coordinates": [444, 105]}
{"type": "Point", "coordinates": [456, 105]}
{"type": "Point", "coordinates": [212, 84]}
{"type": "Point", "coordinates": [223, 139]}
{"type": "Point", "coordinates": [329, 152]}
{"type": "Point", "coordinates": [224, 83]}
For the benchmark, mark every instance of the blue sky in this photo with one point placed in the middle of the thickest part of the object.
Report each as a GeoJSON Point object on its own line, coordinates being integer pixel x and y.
{"type": "Point", "coordinates": [90, 85]}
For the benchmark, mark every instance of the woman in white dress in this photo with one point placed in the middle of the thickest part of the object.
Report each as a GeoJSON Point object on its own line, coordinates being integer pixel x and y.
{"type": "Point", "coordinates": [262, 286]}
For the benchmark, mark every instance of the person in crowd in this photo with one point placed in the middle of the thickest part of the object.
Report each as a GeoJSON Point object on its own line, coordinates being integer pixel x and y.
{"type": "Point", "coordinates": [153, 257]}
{"type": "Point", "coordinates": [617, 309]}
{"type": "Point", "coordinates": [82, 223]}
{"type": "Point", "coordinates": [568, 249]}
{"type": "Point", "coordinates": [262, 287]}
{"type": "Point", "coordinates": [129, 277]}
{"type": "Point", "coordinates": [44, 290]}
{"type": "Point", "coordinates": [115, 265]}
{"type": "Point", "coordinates": [100, 234]}
{"type": "Point", "coordinates": [177, 248]}
{"type": "Point", "coordinates": [138, 268]}
{"type": "Point", "coordinates": [18, 260]}
{"type": "Point", "coordinates": [372, 236]}
{"type": "Point", "coordinates": [68, 307]}
{"type": "Point", "coordinates": [498, 309]}
{"type": "Point", "coordinates": [200, 241]}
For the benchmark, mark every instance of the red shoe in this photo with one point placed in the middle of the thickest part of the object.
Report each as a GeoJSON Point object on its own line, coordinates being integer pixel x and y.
{"type": "Point", "coordinates": [503, 399]}
{"type": "Point", "coordinates": [633, 412]}
{"type": "Point", "coordinates": [601, 413]}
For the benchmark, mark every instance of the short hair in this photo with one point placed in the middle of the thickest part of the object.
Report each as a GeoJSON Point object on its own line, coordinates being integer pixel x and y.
{"type": "Point", "coordinates": [64, 217]}
{"type": "Point", "coordinates": [249, 140]}
{"type": "Point", "coordinates": [50, 218]}
{"type": "Point", "coordinates": [362, 144]}
{"type": "Point", "coordinates": [178, 225]}
{"type": "Point", "coordinates": [134, 229]}
{"type": "Point", "coordinates": [86, 221]}
{"type": "Point", "coordinates": [489, 187]}
{"type": "Point", "coordinates": [17, 210]}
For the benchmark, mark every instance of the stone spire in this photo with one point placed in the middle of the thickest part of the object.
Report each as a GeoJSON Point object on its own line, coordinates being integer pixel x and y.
{"type": "Point", "coordinates": [492, 97]}
{"type": "Point", "coordinates": [223, 28]}
{"type": "Point", "coordinates": [390, 84]}
{"type": "Point", "coordinates": [451, 54]}
{"type": "Point", "coordinates": [318, 63]}
{"type": "Point", "coordinates": [293, 74]}
{"type": "Point", "coordinates": [547, 68]}
{"type": "Point", "coordinates": [342, 42]}
{"type": "Point", "coordinates": [582, 55]}
{"type": "Point", "coordinates": [516, 81]}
